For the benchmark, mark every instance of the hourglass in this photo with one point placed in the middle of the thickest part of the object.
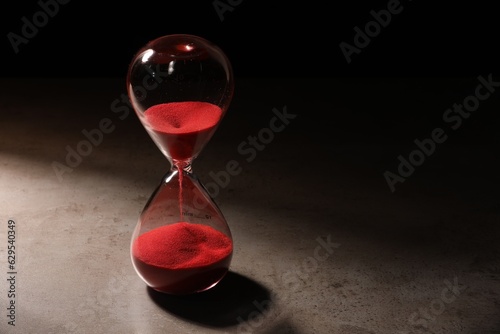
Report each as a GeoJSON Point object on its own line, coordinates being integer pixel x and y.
{"type": "Point", "coordinates": [180, 87]}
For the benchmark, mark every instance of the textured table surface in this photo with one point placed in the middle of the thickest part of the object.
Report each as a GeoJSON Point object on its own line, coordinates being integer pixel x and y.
{"type": "Point", "coordinates": [322, 244]}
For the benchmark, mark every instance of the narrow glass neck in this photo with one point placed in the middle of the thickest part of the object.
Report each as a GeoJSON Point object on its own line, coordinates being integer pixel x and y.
{"type": "Point", "coordinates": [184, 165]}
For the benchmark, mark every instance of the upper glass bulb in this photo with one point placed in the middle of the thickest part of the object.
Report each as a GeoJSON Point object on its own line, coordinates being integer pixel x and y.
{"type": "Point", "coordinates": [180, 86]}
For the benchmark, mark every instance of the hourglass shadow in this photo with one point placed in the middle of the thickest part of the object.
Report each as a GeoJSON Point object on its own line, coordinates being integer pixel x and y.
{"type": "Point", "coordinates": [230, 302]}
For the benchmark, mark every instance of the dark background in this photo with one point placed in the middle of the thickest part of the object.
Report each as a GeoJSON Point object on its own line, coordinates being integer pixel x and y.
{"type": "Point", "coordinates": [278, 38]}
{"type": "Point", "coordinates": [395, 90]}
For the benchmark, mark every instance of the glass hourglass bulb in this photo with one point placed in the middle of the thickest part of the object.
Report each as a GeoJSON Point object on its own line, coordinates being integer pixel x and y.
{"type": "Point", "coordinates": [180, 87]}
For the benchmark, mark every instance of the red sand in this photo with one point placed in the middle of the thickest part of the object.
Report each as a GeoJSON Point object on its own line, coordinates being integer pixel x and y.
{"type": "Point", "coordinates": [182, 258]}
{"type": "Point", "coordinates": [183, 127]}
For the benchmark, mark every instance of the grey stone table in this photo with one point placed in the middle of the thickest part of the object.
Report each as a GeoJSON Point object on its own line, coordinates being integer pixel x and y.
{"type": "Point", "coordinates": [340, 225]}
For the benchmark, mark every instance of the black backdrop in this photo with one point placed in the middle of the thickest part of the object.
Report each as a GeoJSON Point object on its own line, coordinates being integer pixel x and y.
{"type": "Point", "coordinates": [262, 38]}
{"type": "Point", "coordinates": [414, 66]}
